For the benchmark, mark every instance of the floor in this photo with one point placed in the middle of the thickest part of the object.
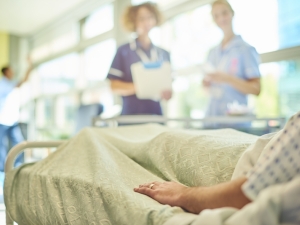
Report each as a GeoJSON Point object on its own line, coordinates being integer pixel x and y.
{"type": "Point", "coordinates": [2, 207]}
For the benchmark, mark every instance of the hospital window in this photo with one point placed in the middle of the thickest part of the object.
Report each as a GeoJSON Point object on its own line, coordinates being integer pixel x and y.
{"type": "Point", "coordinates": [63, 42]}
{"type": "Point", "coordinates": [40, 53]}
{"type": "Point", "coordinates": [280, 89]}
{"type": "Point", "coordinates": [30, 89]}
{"type": "Point", "coordinates": [44, 112]}
{"type": "Point", "coordinates": [56, 117]}
{"type": "Point", "coordinates": [65, 116]}
{"type": "Point", "coordinates": [99, 22]}
{"type": "Point", "coordinates": [266, 31]}
{"type": "Point", "coordinates": [103, 96]}
{"type": "Point", "coordinates": [59, 75]}
{"type": "Point", "coordinates": [57, 44]}
{"type": "Point", "coordinates": [279, 96]}
{"type": "Point", "coordinates": [161, 3]}
{"type": "Point", "coordinates": [274, 24]}
{"type": "Point", "coordinates": [97, 60]}
{"type": "Point", "coordinates": [288, 87]}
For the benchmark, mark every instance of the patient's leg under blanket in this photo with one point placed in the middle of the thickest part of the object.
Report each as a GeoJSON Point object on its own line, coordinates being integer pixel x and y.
{"type": "Point", "coordinates": [90, 179]}
{"type": "Point", "coordinates": [194, 158]}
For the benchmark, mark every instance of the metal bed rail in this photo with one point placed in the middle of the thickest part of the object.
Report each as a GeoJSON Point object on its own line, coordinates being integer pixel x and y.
{"type": "Point", "coordinates": [136, 119]}
{"type": "Point", "coordinates": [16, 150]}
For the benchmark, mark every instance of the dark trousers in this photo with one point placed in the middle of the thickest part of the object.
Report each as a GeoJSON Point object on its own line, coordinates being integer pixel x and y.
{"type": "Point", "coordinates": [14, 135]}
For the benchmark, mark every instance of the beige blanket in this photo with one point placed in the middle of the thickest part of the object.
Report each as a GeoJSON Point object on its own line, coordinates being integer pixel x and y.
{"type": "Point", "coordinates": [89, 180]}
{"type": "Point", "coordinates": [276, 205]}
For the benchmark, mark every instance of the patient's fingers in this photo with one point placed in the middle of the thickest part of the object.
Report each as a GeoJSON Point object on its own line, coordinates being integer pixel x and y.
{"type": "Point", "coordinates": [148, 188]}
{"type": "Point", "coordinates": [148, 185]}
{"type": "Point", "coordinates": [145, 185]}
{"type": "Point", "coordinates": [145, 190]}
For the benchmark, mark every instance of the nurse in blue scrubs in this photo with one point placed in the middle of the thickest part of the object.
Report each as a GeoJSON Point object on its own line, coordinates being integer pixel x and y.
{"type": "Point", "coordinates": [236, 62]}
{"type": "Point", "coordinates": [139, 19]}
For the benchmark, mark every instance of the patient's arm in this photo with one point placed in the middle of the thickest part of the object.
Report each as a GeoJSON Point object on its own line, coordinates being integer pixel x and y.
{"type": "Point", "coordinates": [196, 199]}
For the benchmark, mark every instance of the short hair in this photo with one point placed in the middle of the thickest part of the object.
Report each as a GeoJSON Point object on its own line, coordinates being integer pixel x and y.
{"type": "Point", "coordinates": [130, 14]}
{"type": "Point", "coordinates": [223, 2]}
{"type": "Point", "coordinates": [4, 69]}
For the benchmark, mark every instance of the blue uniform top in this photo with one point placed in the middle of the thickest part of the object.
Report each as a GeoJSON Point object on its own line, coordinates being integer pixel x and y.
{"type": "Point", "coordinates": [120, 70]}
{"type": "Point", "coordinates": [9, 105]}
{"type": "Point", "coordinates": [237, 59]}
{"type": "Point", "coordinates": [6, 87]}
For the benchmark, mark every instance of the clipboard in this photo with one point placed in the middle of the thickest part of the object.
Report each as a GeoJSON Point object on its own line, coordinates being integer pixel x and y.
{"type": "Point", "coordinates": [151, 79]}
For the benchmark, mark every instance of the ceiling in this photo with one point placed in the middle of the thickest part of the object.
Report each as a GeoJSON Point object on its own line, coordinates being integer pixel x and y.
{"type": "Point", "coordinates": [23, 17]}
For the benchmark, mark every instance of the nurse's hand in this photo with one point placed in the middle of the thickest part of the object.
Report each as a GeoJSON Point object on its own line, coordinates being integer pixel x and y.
{"type": "Point", "coordinates": [206, 82]}
{"type": "Point", "coordinates": [220, 77]}
{"type": "Point", "coordinates": [166, 95]}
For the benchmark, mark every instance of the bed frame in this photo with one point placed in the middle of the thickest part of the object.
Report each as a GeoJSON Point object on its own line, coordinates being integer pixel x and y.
{"type": "Point", "coordinates": [136, 119]}
{"type": "Point", "coordinates": [15, 151]}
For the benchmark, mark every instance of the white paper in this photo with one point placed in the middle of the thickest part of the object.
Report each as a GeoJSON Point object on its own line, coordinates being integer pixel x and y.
{"type": "Point", "coordinates": [150, 83]}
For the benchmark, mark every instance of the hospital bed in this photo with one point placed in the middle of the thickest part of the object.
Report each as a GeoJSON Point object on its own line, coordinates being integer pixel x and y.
{"type": "Point", "coordinates": [15, 151]}
{"type": "Point", "coordinates": [243, 140]}
{"type": "Point", "coordinates": [257, 126]}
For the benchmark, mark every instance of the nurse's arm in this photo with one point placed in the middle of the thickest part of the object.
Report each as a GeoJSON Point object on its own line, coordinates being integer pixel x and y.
{"type": "Point", "coordinates": [122, 88]}
{"type": "Point", "coordinates": [251, 86]}
{"type": "Point", "coordinates": [27, 74]}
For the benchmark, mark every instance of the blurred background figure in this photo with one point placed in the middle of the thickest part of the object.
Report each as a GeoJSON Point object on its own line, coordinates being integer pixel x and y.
{"type": "Point", "coordinates": [236, 65]}
{"type": "Point", "coordinates": [9, 113]}
{"type": "Point", "coordinates": [140, 19]}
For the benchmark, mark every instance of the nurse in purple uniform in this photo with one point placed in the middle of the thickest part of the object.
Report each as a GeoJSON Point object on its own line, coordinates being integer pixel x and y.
{"type": "Point", "coordinates": [139, 19]}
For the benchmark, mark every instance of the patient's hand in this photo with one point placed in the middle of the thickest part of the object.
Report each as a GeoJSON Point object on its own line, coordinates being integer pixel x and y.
{"type": "Point", "coordinates": [167, 193]}
{"type": "Point", "coordinates": [196, 199]}
{"type": "Point", "coordinates": [206, 82]}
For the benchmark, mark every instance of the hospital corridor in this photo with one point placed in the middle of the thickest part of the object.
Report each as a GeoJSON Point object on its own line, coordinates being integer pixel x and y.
{"type": "Point", "coordinates": [142, 112]}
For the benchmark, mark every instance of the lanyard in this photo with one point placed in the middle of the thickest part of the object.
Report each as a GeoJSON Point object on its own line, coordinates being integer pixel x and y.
{"type": "Point", "coordinates": [145, 58]}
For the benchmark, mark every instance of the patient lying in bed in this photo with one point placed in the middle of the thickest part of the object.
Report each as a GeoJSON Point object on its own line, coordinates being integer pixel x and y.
{"type": "Point", "coordinates": [90, 179]}
{"type": "Point", "coordinates": [279, 164]}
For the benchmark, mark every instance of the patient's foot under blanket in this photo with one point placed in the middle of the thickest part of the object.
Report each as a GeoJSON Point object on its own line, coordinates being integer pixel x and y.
{"type": "Point", "coordinates": [90, 179]}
